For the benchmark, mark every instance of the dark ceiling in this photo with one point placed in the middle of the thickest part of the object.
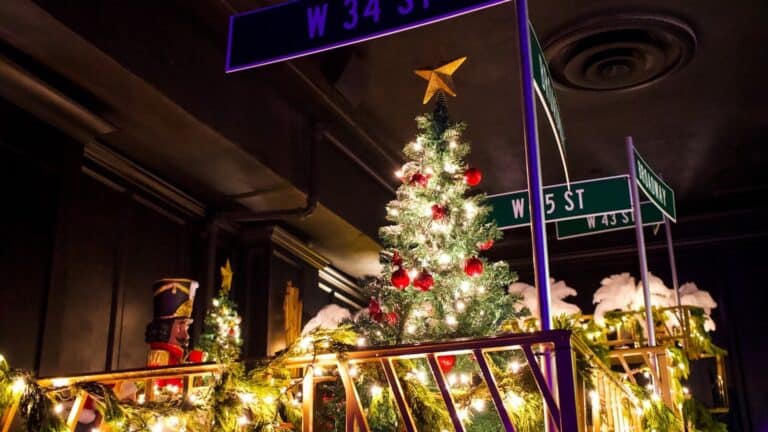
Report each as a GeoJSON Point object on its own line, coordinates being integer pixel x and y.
{"type": "Point", "coordinates": [702, 125]}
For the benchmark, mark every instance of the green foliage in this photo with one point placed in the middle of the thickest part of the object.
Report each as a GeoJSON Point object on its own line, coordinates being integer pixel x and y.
{"type": "Point", "coordinates": [699, 418]}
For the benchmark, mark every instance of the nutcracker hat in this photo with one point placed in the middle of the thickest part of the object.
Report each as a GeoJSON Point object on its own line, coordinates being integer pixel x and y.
{"type": "Point", "coordinates": [173, 298]}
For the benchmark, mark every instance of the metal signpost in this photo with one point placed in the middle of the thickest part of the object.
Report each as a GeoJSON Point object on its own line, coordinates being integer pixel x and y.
{"type": "Point", "coordinates": [640, 242]}
{"type": "Point", "coordinates": [608, 222]}
{"type": "Point", "coordinates": [561, 202]}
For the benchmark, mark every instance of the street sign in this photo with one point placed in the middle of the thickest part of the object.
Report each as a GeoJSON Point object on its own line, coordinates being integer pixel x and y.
{"type": "Point", "coordinates": [546, 92]}
{"type": "Point", "coordinates": [583, 198]}
{"type": "Point", "coordinates": [302, 27]}
{"type": "Point", "coordinates": [657, 191]}
{"type": "Point", "coordinates": [608, 222]}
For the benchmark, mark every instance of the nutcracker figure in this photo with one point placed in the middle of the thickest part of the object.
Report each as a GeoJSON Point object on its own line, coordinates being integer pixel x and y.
{"type": "Point", "coordinates": [168, 333]}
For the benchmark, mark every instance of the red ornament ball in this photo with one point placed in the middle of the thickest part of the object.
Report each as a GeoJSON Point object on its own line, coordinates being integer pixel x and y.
{"type": "Point", "coordinates": [397, 259]}
{"type": "Point", "coordinates": [473, 176]}
{"type": "Point", "coordinates": [438, 212]}
{"type": "Point", "coordinates": [485, 245]}
{"type": "Point", "coordinates": [446, 363]}
{"type": "Point", "coordinates": [391, 318]}
{"type": "Point", "coordinates": [374, 309]}
{"type": "Point", "coordinates": [419, 179]}
{"type": "Point", "coordinates": [424, 281]}
{"type": "Point", "coordinates": [400, 279]}
{"type": "Point", "coordinates": [473, 267]}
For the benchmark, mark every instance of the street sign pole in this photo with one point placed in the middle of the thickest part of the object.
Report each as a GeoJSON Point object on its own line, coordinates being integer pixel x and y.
{"type": "Point", "coordinates": [641, 250]}
{"type": "Point", "coordinates": [535, 190]}
{"type": "Point", "coordinates": [533, 165]}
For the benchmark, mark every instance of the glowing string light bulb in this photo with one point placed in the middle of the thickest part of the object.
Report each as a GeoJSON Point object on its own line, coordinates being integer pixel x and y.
{"type": "Point", "coordinates": [376, 390]}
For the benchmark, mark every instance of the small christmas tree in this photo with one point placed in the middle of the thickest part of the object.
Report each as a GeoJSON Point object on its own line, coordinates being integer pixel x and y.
{"type": "Point", "coordinates": [435, 284]}
{"type": "Point", "coordinates": [221, 334]}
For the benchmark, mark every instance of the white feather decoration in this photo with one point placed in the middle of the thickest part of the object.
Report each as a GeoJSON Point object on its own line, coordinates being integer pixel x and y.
{"type": "Point", "coordinates": [558, 290]}
{"type": "Point", "coordinates": [616, 292]}
{"type": "Point", "coordinates": [691, 295]}
{"type": "Point", "coordinates": [327, 318]}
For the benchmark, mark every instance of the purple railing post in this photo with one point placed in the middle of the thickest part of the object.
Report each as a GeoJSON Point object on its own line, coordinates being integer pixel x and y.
{"type": "Point", "coordinates": [566, 383]}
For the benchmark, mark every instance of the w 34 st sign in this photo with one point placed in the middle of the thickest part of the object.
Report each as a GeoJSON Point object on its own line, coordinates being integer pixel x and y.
{"type": "Point", "coordinates": [301, 27]}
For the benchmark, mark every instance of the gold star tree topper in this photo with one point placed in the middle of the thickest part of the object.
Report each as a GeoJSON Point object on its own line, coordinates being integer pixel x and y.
{"type": "Point", "coordinates": [440, 78]}
{"type": "Point", "coordinates": [226, 277]}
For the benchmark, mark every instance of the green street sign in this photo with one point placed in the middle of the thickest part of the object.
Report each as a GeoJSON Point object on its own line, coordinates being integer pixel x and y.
{"type": "Point", "coordinates": [583, 198]}
{"type": "Point", "coordinates": [608, 222]}
{"type": "Point", "coordinates": [657, 191]}
{"type": "Point", "coordinates": [546, 93]}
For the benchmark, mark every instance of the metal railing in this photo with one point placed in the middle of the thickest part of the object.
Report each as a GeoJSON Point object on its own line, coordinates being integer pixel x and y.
{"type": "Point", "coordinates": [575, 401]}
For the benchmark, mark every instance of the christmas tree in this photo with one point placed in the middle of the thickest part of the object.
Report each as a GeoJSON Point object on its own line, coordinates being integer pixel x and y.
{"type": "Point", "coordinates": [435, 284]}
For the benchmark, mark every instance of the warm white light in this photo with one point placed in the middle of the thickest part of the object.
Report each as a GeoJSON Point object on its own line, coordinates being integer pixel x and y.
{"type": "Point", "coordinates": [242, 420]}
{"type": "Point", "coordinates": [305, 343]}
{"type": "Point", "coordinates": [470, 209]}
{"type": "Point", "coordinates": [478, 405]}
{"type": "Point", "coordinates": [2, 359]}
{"type": "Point", "coordinates": [157, 427]}
{"type": "Point", "coordinates": [376, 391]}
{"type": "Point", "coordinates": [413, 273]}
{"type": "Point", "coordinates": [429, 171]}
{"type": "Point", "coordinates": [515, 401]}
{"type": "Point", "coordinates": [140, 399]}
{"type": "Point", "coordinates": [451, 320]}
{"type": "Point", "coordinates": [646, 404]}
{"type": "Point", "coordinates": [18, 385]}
{"type": "Point", "coordinates": [394, 212]}
{"type": "Point", "coordinates": [361, 341]}
{"type": "Point", "coordinates": [463, 413]}
{"type": "Point", "coordinates": [318, 371]}
{"type": "Point", "coordinates": [410, 329]}
{"type": "Point", "coordinates": [247, 398]}
{"type": "Point", "coordinates": [514, 366]}
{"type": "Point", "coordinates": [450, 168]}
{"type": "Point", "coordinates": [481, 290]}
{"type": "Point", "coordinates": [354, 371]}
{"type": "Point", "coordinates": [453, 144]}
{"type": "Point", "coordinates": [427, 210]}
{"type": "Point", "coordinates": [686, 391]}
{"type": "Point", "coordinates": [60, 382]}
{"type": "Point", "coordinates": [594, 397]}
{"type": "Point", "coordinates": [444, 259]}
{"type": "Point", "coordinates": [655, 397]}
{"type": "Point", "coordinates": [172, 421]}
{"type": "Point", "coordinates": [465, 286]}
{"type": "Point", "coordinates": [417, 145]}
{"type": "Point", "coordinates": [399, 173]}
{"type": "Point", "coordinates": [421, 376]}
{"type": "Point", "coordinates": [452, 379]}
{"type": "Point", "coordinates": [192, 398]}
{"type": "Point", "coordinates": [58, 408]}
{"type": "Point", "coordinates": [460, 306]}
{"type": "Point", "coordinates": [216, 302]}
{"type": "Point", "coordinates": [95, 429]}
{"type": "Point", "coordinates": [464, 378]}
{"type": "Point", "coordinates": [269, 399]}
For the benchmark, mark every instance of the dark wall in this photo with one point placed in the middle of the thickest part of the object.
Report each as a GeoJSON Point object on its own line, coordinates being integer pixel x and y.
{"type": "Point", "coordinates": [79, 251]}
{"type": "Point", "coordinates": [30, 179]}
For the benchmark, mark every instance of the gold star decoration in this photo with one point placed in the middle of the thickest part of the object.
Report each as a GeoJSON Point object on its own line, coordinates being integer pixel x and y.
{"type": "Point", "coordinates": [440, 78]}
{"type": "Point", "coordinates": [226, 277]}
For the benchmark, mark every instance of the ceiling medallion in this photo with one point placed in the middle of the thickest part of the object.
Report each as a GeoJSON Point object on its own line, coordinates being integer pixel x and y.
{"type": "Point", "coordinates": [619, 52]}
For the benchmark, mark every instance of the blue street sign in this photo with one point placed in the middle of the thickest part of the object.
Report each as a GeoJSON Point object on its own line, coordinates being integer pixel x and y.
{"type": "Point", "coordinates": [302, 27]}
